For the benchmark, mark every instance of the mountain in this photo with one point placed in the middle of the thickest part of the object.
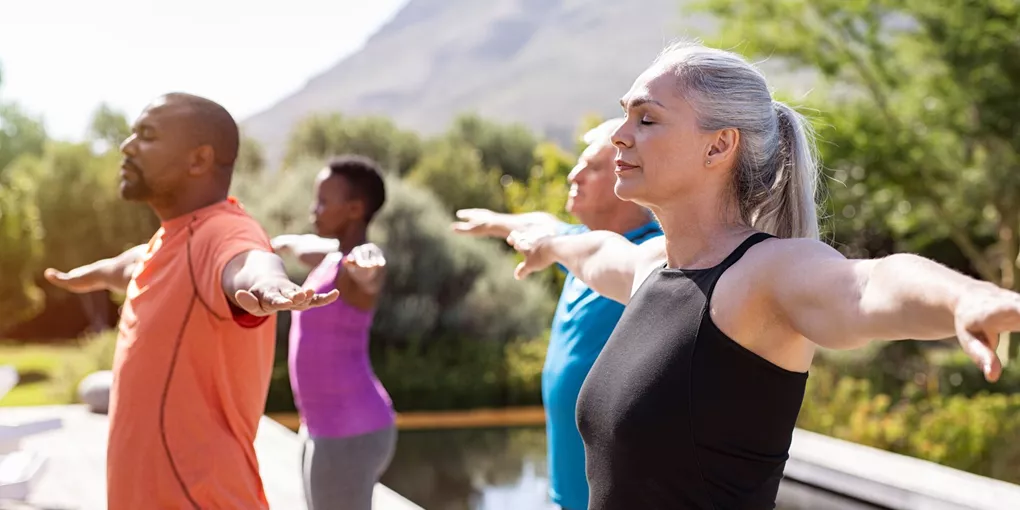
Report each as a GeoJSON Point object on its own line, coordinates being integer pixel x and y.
{"type": "Point", "coordinates": [544, 63]}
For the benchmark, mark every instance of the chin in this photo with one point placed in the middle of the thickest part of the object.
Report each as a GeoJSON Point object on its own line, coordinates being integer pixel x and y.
{"type": "Point", "coordinates": [628, 190]}
{"type": "Point", "coordinates": [131, 194]}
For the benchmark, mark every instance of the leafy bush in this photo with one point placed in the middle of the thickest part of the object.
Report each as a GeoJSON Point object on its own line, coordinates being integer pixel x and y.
{"type": "Point", "coordinates": [979, 434]}
{"type": "Point", "coordinates": [21, 239]}
{"type": "Point", "coordinates": [454, 170]}
{"type": "Point", "coordinates": [463, 374]}
{"type": "Point", "coordinates": [324, 135]}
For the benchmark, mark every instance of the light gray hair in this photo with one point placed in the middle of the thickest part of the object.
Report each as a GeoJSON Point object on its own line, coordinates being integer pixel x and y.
{"type": "Point", "coordinates": [776, 173]}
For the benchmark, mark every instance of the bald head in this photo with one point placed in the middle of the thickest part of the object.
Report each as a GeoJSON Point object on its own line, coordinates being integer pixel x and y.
{"type": "Point", "coordinates": [207, 123]}
{"type": "Point", "coordinates": [180, 153]}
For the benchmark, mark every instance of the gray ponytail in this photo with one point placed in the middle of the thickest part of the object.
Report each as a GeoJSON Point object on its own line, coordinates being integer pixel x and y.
{"type": "Point", "coordinates": [776, 173]}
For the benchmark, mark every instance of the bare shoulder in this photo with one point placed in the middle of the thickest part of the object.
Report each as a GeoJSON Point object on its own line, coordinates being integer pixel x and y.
{"type": "Point", "coordinates": [777, 254]}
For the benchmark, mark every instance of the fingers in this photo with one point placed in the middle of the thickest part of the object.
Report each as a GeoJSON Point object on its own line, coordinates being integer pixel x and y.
{"type": "Point", "coordinates": [365, 256]}
{"type": "Point", "coordinates": [520, 241]}
{"type": "Point", "coordinates": [981, 349]}
{"type": "Point", "coordinates": [470, 213]}
{"type": "Point", "coordinates": [473, 221]}
{"type": "Point", "coordinates": [248, 302]}
{"type": "Point", "coordinates": [55, 277]}
{"type": "Point", "coordinates": [464, 227]}
{"type": "Point", "coordinates": [324, 299]}
{"type": "Point", "coordinates": [77, 280]}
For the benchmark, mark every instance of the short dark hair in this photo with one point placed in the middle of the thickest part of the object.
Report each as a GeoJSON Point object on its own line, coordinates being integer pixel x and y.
{"type": "Point", "coordinates": [365, 178]}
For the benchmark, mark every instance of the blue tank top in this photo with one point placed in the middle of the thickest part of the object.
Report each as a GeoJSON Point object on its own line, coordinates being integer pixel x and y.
{"type": "Point", "coordinates": [583, 322]}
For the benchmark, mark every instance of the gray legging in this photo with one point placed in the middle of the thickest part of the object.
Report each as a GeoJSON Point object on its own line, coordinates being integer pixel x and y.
{"type": "Point", "coordinates": [341, 473]}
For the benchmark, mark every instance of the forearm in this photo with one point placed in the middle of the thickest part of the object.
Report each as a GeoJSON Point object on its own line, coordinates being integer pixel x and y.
{"type": "Point", "coordinates": [115, 273]}
{"type": "Point", "coordinates": [525, 221]}
{"type": "Point", "coordinates": [909, 297]}
{"type": "Point", "coordinates": [603, 260]}
{"type": "Point", "coordinates": [309, 249]}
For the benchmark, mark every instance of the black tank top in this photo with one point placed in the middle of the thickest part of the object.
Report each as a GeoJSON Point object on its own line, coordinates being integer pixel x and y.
{"type": "Point", "coordinates": [675, 414]}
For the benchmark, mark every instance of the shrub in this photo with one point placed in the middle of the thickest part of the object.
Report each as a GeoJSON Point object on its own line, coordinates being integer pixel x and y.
{"type": "Point", "coordinates": [978, 434]}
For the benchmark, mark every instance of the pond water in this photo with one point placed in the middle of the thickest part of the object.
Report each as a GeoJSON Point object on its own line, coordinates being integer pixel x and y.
{"type": "Point", "coordinates": [505, 469]}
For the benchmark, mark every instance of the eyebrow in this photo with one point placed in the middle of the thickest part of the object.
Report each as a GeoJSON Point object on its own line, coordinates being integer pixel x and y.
{"type": "Point", "coordinates": [639, 101]}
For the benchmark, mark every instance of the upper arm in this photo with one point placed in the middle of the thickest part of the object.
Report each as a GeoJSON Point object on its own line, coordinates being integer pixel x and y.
{"type": "Point", "coordinates": [220, 248]}
{"type": "Point", "coordinates": [817, 292]}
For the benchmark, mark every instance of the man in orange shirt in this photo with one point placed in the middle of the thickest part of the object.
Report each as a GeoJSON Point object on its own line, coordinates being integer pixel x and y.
{"type": "Point", "coordinates": [197, 331]}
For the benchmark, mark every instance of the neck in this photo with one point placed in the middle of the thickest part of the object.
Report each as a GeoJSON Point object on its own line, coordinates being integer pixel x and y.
{"type": "Point", "coordinates": [353, 235]}
{"type": "Point", "coordinates": [619, 221]}
{"type": "Point", "coordinates": [700, 232]}
{"type": "Point", "coordinates": [186, 205]}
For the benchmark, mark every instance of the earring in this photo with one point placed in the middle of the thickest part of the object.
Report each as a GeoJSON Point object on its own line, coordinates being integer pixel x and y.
{"type": "Point", "coordinates": [708, 162]}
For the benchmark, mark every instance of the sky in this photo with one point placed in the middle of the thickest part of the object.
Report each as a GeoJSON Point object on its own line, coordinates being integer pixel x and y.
{"type": "Point", "coordinates": [61, 58]}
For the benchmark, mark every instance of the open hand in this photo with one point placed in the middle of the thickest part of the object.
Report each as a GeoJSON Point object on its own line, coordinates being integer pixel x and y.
{"type": "Point", "coordinates": [79, 280]}
{"type": "Point", "coordinates": [981, 315]}
{"type": "Point", "coordinates": [530, 243]}
{"type": "Point", "coordinates": [275, 295]}
{"type": "Point", "coordinates": [365, 265]}
{"type": "Point", "coordinates": [479, 222]}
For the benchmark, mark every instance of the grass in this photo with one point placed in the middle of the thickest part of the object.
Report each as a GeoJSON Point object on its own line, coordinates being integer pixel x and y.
{"type": "Point", "coordinates": [49, 374]}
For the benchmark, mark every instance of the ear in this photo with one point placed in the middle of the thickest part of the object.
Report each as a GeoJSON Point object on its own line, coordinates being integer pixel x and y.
{"type": "Point", "coordinates": [723, 146]}
{"type": "Point", "coordinates": [203, 160]}
{"type": "Point", "coordinates": [356, 209]}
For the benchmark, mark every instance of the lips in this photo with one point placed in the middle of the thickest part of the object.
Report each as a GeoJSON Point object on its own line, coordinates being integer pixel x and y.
{"type": "Point", "coordinates": [623, 166]}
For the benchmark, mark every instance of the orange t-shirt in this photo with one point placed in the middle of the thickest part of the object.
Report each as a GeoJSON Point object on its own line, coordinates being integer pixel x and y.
{"type": "Point", "coordinates": [189, 376]}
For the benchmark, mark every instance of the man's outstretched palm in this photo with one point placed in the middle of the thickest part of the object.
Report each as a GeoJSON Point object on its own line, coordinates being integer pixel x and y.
{"type": "Point", "coordinates": [78, 280]}
{"type": "Point", "coordinates": [273, 296]}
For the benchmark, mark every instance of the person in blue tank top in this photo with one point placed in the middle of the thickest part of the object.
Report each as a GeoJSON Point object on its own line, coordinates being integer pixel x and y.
{"type": "Point", "coordinates": [584, 319]}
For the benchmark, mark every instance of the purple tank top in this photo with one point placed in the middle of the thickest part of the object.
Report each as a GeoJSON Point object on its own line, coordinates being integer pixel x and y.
{"type": "Point", "coordinates": [335, 389]}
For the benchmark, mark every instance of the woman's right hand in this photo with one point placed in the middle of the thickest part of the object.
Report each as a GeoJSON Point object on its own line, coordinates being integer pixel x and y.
{"type": "Point", "coordinates": [531, 243]}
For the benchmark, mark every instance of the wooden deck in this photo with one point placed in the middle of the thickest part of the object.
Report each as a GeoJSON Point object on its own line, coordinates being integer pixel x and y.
{"type": "Point", "coordinates": [75, 475]}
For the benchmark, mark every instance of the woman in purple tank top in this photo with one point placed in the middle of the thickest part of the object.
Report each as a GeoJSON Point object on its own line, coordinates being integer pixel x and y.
{"type": "Point", "coordinates": [347, 419]}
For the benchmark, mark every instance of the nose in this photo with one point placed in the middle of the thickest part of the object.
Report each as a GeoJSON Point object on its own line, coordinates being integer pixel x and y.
{"type": "Point", "coordinates": [127, 147]}
{"type": "Point", "coordinates": [575, 174]}
{"type": "Point", "coordinates": [622, 137]}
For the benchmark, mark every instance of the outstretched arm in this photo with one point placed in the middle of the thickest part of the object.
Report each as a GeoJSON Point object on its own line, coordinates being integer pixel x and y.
{"type": "Point", "coordinates": [255, 281]}
{"type": "Point", "coordinates": [363, 275]}
{"type": "Point", "coordinates": [309, 249]}
{"type": "Point", "coordinates": [605, 261]}
{"type": "Point", "coordinates": [840, 303]}
{"type": "Point", "coordinates": [483, 222]}
{"type": "Point", "coordinates": [112, 274]}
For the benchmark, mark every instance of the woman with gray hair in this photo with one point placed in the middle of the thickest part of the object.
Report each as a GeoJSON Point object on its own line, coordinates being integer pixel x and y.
{"type": "Point", "coordinates": [693, 401]}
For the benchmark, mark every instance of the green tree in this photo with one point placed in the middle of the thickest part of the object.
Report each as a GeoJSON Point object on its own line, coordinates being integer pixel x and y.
{"type": "Point", "coordinates": [251, 157]}
{"type": "Point", "coordinates": [324, 135]}
{"type": "Point", "coordinates": [20, 249]}
{"type": "Point", "coordinates": [546, 191]}
{"type": "Point", "coordinates": [20, 229]}
{"type": "Point", "coordinates": [920, 118]}
{"type": "Point", "coordinates": [546, 187]}
{"type": "Point", "coordinates": [20, 134]}
{"type": "Point", "coordinates": [454, 171]}
{"type": "Point", "coordinates": [510, 148]}
{"type": "Point", "coordinates": [81, 212]}
{"type": "Point", "coordinates": [108, 127]}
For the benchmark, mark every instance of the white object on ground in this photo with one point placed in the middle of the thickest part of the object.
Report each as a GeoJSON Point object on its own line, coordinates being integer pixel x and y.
{"type": "Point", "coordinates": [94, 391]}
{"type": "Point", "coordinates": [19, 470]}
